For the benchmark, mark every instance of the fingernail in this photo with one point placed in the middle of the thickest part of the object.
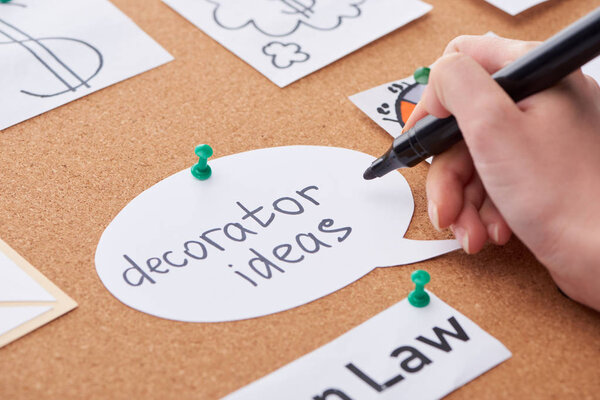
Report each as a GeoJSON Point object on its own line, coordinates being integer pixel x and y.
{"type": "Point", "coordinates": [432, 210]}
{"type": "Point", "coordinates": [493, 231]}
{"type": "Point", "coordinates": [463, 238]}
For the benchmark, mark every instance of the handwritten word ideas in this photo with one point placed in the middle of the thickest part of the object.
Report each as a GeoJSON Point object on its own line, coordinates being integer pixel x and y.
{"type": "Point", "coordinates": [270, 230]}
{"type": "Point", "coordinates": [402, 353]}
{"type": "Point", "coordinates": [218, 239]}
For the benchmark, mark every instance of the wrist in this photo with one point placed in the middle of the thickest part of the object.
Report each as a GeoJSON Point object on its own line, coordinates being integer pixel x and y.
{"type": "Point", "coordinates": [575, 262]}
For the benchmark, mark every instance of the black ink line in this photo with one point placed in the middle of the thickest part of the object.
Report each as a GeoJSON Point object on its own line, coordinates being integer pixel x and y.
{"type": "Point", "coordinates": [298, 24]}
{"type": "Point", "coordinates": [401, 91]}
{"type": "Point", "coordinates": [70, 88]}
{"type": "Point", "coordinates": [397, 104]}
{"type": "Point", "coordinates": [291, 62]}
{"type": "Point", "coordinates": [49, 52]}
{"type": "Point", "coordinates": [299, 8]}
{"type": "Point", "coordinates": [38, 58]}
{"type": "Point", "coordinates": [83, 82]}
{"type": "Point", "coordinates": [246, 278]}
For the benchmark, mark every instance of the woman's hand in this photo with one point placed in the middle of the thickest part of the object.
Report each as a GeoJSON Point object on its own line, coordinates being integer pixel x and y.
{"type": "Point", "coordinates": [531, 168]}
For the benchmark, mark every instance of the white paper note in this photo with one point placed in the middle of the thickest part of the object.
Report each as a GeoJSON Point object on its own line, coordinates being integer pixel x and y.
{"type": "Point", "coordinates": [270, 230]}
{"type": "Point", "coordinates": [288, 39]}
{"type": "Point", "coordinates": [13, 317]}
{"type": "Point", "coordinates": [389, 105]}
{"type": "Point", "coordinates": [28, 299]}
{"type": "Point", "coordinates": [514, 7]}
{"type": "Point", "coordinates": [56, 51]}
{"type": "Point", "coordinates": [16, 285]}
{"type": "Point", "coordinates": [403, 352]}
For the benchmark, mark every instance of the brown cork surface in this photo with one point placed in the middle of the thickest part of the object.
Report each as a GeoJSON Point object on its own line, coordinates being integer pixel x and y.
{"type": "Point", "coordinates": [65, 174]}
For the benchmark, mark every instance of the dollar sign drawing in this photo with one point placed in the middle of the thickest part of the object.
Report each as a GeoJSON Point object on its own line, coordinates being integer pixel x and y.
{"type": "Point", "coordinates": [298, 7]}
{"type": "Point", "coordinates": [67, 78]}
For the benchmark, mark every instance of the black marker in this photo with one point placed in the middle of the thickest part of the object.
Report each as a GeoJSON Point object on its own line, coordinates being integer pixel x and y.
{"type": "Point", "coordinates": [537, 70]}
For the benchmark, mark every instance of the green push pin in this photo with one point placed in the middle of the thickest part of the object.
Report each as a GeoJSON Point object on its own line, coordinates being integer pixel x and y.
{"type": "Point", "coordinates": [5, 1]}
{"type": "Point", "coordinates": [419, 297]}
{"type": "Point", "coordinates": [421, 75]}
{"type": "Point", "coordinates": [202, 170]}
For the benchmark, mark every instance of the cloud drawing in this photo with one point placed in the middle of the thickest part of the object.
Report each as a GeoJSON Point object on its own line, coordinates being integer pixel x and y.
{"type": "Point", "coordinates": [278, 18]}
{"type": "Point", "coordinates": [283, 55]}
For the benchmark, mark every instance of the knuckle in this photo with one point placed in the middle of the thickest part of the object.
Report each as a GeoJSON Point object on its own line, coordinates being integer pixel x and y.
{"type": "Point", "coordinates": [450, 67]}
{"type": "Point", "coordinates": [459, 58]}
{"type": "Point", "coordinates": [492, 119]}
{"type": "Point", "coordinates": [520, 48]}
{"type": "Point", "coordinates": [476, 129]}
{"type": "Point", "coordinates": [592, 85]}
{"type": "Point", "coordinates": [457, 43]}
{"type": "Point", "coordinates": [450, 63]}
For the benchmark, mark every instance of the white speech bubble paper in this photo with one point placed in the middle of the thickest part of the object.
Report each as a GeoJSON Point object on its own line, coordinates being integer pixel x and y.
{"type": "Point", "coordinates": [403, 352]}
{"type": "Point", "coordinates": [288, 39]}
{"type": "Point", "coordinates": [270, 230]}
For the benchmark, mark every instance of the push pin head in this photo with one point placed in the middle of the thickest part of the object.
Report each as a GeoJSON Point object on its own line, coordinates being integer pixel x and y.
{"type": "Point", "coordinates": [5, 1]}
{"type": "Point", "coordinates": [202, 170]}
{"type": "Point", "coordinates": [419, 297]}
{"type": "Point", "coordinates": [421, 75]}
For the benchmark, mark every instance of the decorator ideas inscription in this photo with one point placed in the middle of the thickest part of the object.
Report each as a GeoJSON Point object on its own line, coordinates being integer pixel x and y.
{"type": "Point", "coordinates": [270, 230]}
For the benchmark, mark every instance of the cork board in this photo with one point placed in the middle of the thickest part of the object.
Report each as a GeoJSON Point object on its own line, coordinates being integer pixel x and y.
{"type": "Point", "coordinates": [65, 174]}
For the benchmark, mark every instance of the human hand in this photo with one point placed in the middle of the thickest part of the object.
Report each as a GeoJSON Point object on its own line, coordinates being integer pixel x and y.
{"type": "Point", "coordinates": [532, 168]}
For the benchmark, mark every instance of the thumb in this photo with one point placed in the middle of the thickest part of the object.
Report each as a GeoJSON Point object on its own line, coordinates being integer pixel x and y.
{"type": "Point", "coordinates": [485, 113]}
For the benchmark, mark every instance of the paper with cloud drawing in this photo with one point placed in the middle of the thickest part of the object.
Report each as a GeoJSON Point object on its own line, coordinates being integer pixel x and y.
{"type": "Point", "coordinates": [288, 39]}
{"type": "Point", "coordinates": [401, 353]}
{"type": "Point", "coordinates": [28, 299]}
{"type": "Point", "coordinates": [56, 51]}
{"type": "Point", "coordinates": [271, 229]}
{"type": "Point", "coordinates": [514, 7]}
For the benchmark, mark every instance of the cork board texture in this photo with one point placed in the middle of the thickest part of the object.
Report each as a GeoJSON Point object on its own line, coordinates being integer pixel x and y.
{"type": "Point", "coordinates": [65, 174]}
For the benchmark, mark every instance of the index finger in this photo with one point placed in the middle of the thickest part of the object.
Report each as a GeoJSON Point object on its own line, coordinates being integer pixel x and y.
{"type": "Point", "coordinates": [491, 52]}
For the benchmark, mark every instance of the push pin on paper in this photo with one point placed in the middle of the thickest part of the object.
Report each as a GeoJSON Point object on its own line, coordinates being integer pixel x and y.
{"type": "Point", "coordinates": [419, 297]}
{"type": "Point", "coordinates": [202, 170]}
{"type": "Point", "coordinates": [421, 75]}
